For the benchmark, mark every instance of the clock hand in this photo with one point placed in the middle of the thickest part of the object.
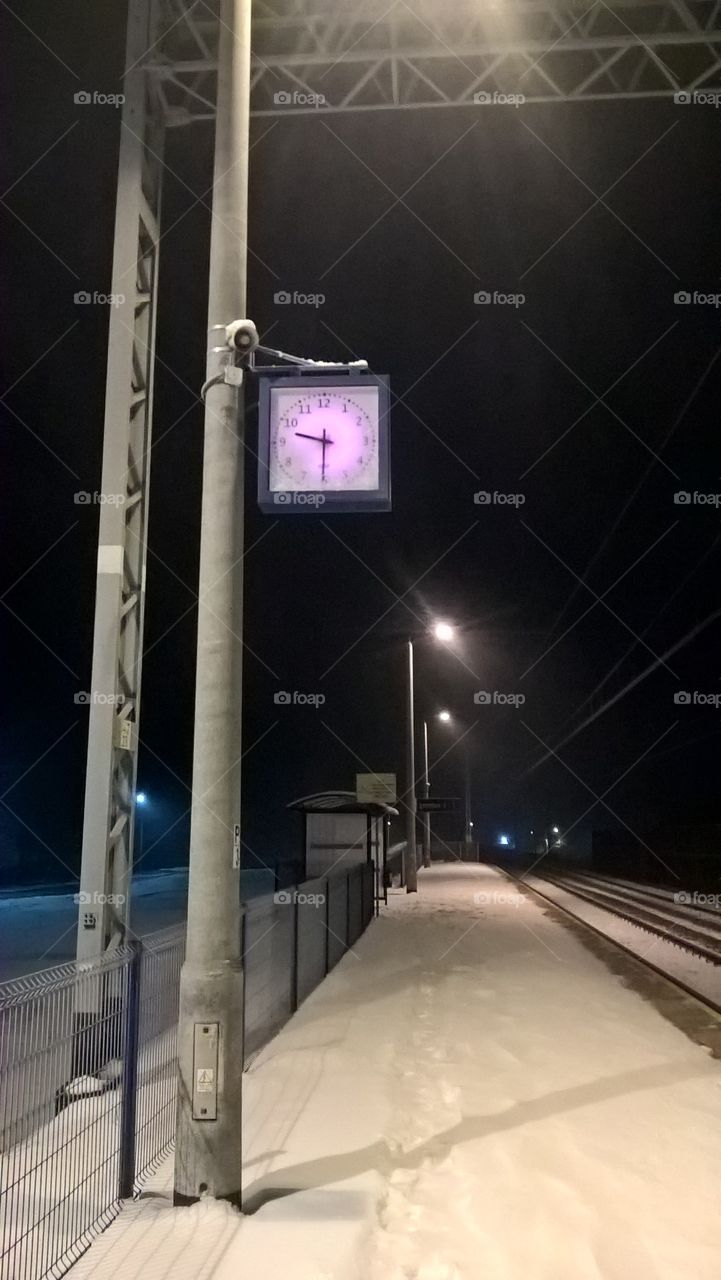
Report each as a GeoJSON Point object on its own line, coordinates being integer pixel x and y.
{"type": "Point", "coordinates": [320, 439]}
{"type": "Point", "coordinates": [326, 442]}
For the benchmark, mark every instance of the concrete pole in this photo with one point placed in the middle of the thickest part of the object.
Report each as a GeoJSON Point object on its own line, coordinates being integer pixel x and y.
{"type": "Point", "coordinates": [426, 793]}
{"type": "Point", "coordinates": [467, 779]}
{"type": "Point", "coordinates": [409, 860]}
{"type": "Point", "coordinates": [210, 1032]}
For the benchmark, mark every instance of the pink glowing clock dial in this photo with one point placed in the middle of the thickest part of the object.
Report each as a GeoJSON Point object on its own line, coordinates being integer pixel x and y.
{"type": "Point", "coordinates": [324, 438]}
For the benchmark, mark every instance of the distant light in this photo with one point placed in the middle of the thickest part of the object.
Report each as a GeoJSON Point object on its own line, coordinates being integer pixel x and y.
{"type": "Point", "coordinates": [554, 830]}
{"type": "Point", "coordinates": [442, 631]}
{"type": "Point", "coordinates": [470, 824]}
{"type": "Point", "coordinates": [503, 840]}
{"type": "Point", "coordinates": [141, 798]}
{"type": "Point", "coordinates": [444, 716]}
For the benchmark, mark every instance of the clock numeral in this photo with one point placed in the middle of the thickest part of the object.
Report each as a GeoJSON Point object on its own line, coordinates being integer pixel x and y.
{"type": "Point", "coordinates": [345, 407]}
{"type": "Point", "coordinates": [360, 462]}
{"type": "Point", "coordinates": [304, 408]}
{"type": "Point", "coordinates": [294, 422]}
{"type": "Point", "coordinates": [324, 402]}
{"type": "Point", "coordinates": [281, 440]}
{"type": "Point", "coordinates": [359, 422]}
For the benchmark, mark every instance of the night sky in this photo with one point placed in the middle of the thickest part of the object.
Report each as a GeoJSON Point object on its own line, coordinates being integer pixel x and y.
{"type": "Point", "coordinates": [596, 399]}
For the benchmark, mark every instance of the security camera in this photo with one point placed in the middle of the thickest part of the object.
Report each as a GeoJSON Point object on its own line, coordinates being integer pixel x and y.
{"type": "Point", "coordinates": [242, 335]}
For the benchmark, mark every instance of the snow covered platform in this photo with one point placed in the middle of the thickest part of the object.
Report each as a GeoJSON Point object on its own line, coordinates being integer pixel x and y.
{"type": "Point", "coordinates": [474, 1091]}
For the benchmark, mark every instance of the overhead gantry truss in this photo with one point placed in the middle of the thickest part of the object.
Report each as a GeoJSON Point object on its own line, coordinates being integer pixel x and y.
{"type": "Point", "coordinates": [372, 55]}
{"type": "Point", "coordinates": [309, 56]}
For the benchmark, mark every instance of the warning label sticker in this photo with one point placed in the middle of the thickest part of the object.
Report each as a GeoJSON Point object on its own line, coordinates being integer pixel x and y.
{"type": "Point", "coordinates": [204, 1079]}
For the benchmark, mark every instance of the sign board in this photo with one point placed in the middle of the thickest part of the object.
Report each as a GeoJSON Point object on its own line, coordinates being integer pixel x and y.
{"type": "Point", "coordinates": [438, 804]}
{"type": "Point", "coordinates": [205, 1070]}
{"type": "Point", "coordinates": [375, 788]}
{"type": "Point", "coordinates": [123, 735]}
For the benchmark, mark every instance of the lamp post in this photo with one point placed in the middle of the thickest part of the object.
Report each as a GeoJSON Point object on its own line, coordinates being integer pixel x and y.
{"type": "Point", "coordinates": [444, 632]}
{"type": "Point", "coordinates": [447, 718]}
{"type": "Point", "coordinates": [141, 801]}
{"type": "Point", "coordinates": [426, 793]}
{"type": "Point", "coordinates": [409, 857]}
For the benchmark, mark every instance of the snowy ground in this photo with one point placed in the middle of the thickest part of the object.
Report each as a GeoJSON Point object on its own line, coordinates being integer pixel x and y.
{"type": "Point", "coordinates": [38, 930]}
{"type": "Point", "coordinates": [470, 1094]}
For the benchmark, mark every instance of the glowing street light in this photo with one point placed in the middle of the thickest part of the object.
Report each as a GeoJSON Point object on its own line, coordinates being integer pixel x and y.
{"type": "Point", "coordinates": [447, 718]}
{"type": "Point", "coordinates": [443, 631]}
{"type": "Point", "coordinates": [554, 831]}
{"type": "Point", "coordinates": [141, 798]}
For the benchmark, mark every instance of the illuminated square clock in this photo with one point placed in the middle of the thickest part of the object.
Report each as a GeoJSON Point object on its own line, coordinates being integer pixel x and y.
{"type": "Point", "coordinates": [323, 437]}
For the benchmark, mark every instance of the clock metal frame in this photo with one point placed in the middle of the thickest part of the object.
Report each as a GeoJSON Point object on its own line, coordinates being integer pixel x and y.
{"type": "Point", "coordinates": [300, 502]}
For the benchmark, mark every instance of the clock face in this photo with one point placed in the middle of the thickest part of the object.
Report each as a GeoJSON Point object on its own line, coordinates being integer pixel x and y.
{"type": "Point", "coordinates": [324, 438]}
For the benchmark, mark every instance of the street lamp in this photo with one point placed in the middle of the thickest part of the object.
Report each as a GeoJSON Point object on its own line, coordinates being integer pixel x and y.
{"type": "Point", "coordinates": [443, 632]}
{"type": "Point", "coordinates": [141, 801]}
{"type": "Point", "coordinates": [447, 718]}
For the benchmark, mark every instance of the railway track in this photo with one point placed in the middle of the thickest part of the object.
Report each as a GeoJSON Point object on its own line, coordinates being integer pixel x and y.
{"type": "Point", "coordinates": [694, 928]}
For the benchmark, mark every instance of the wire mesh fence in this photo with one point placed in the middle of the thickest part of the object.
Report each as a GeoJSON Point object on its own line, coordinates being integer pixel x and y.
{"type": "Point", "coordinates": [83, 1102]}
{"type": "Point", "coordinates": [88, 1063]}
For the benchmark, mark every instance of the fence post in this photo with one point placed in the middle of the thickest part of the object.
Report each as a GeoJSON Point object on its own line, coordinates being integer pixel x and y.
{"type": "Point", "coordinates": [294, 974]}
{"type": "Point", "coordinates": [347, 909]}
{"type": "Point", "coordinates": [130, 1075]}
{"type": "Point", "coordinates": [327, 924]}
